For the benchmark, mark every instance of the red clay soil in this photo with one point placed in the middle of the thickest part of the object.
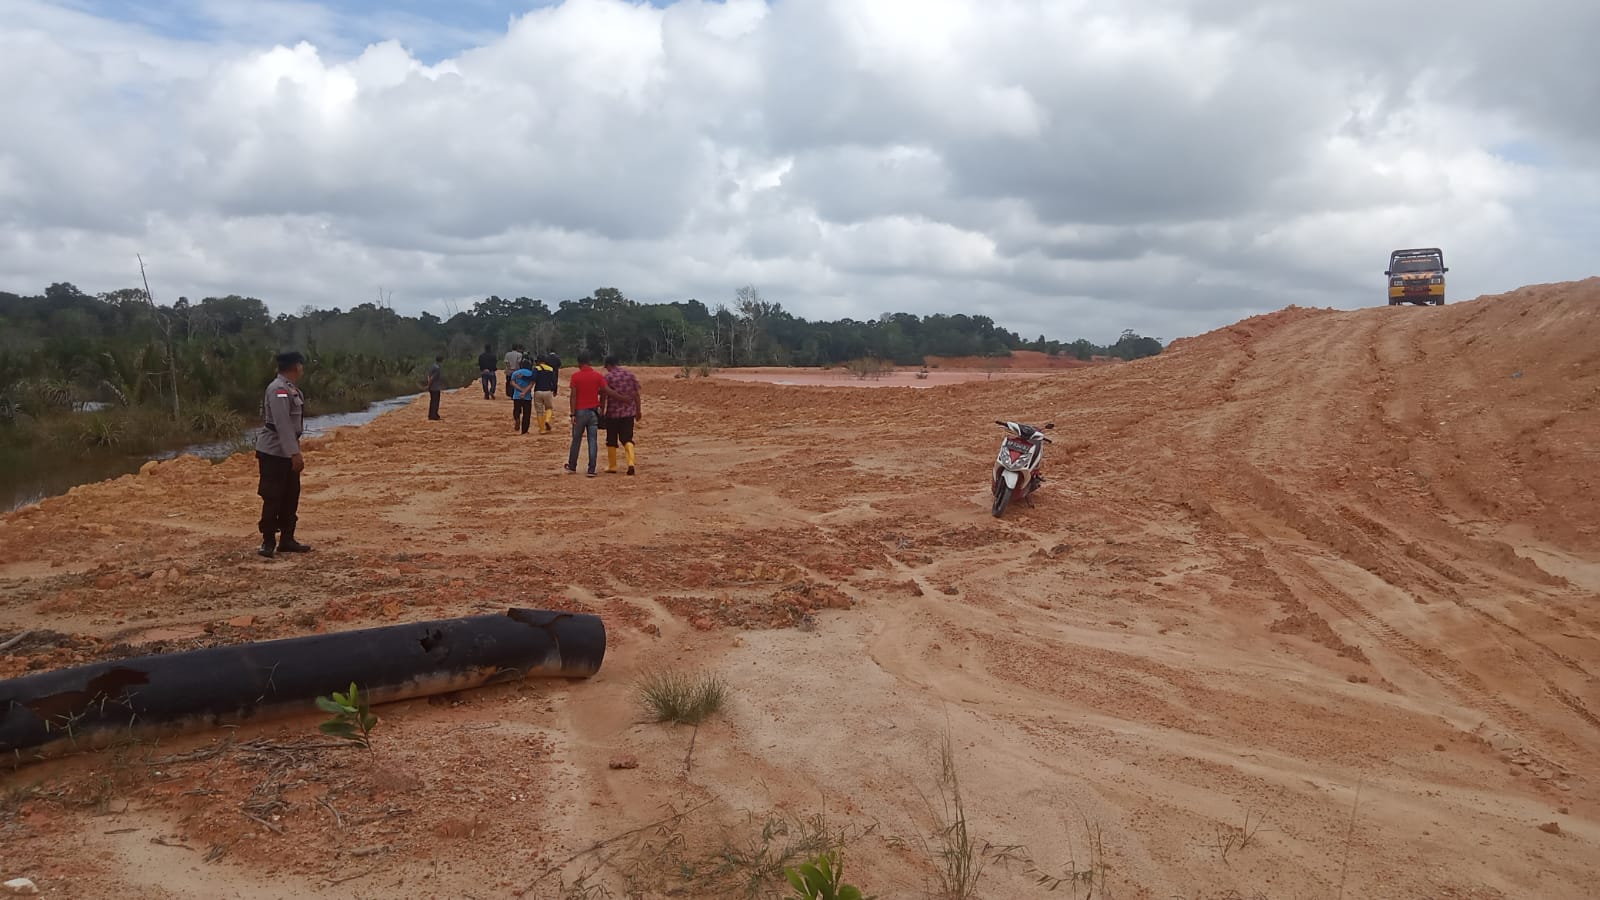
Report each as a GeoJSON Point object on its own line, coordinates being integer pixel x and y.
{"type": "Point", "coordinates": [1309, 607]}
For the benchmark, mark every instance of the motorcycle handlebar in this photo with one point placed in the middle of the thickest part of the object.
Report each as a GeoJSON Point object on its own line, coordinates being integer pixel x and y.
{"type": "Point", "coordinates": [1007, 425]}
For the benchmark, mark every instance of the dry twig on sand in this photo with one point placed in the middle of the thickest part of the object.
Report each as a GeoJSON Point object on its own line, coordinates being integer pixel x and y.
{"type": "Point", "coordinates": [602, 844]}
{"type": "Point", "coordinates": [1349, 834]}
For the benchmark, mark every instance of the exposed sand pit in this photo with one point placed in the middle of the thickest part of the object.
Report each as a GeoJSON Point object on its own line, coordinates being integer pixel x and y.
{"type": "Point", "coordinates": [1312, 551]}
{"type": "Point", "coordinates": [910, 378]}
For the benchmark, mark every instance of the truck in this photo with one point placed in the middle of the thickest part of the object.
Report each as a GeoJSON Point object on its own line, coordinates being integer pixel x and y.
{"type": "Point", "coordinates": [1416, 276]}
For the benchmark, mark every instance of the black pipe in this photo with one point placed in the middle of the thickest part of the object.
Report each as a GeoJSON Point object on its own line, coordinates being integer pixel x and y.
{"type": "Point", "coordinates": [85, 707]}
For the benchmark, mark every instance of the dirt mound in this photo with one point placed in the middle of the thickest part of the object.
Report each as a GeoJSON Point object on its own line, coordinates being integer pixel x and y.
{"type": "Point", "coordinates": [1481, 411]}
{"type": "Point", "coordinates": [1245, 331]}
{"type": "Point", "coordinates": [1312, 569]}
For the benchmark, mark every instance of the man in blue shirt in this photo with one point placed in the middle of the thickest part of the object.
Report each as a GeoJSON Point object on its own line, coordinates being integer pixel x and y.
{"type": "Point", "coordinates": [521, 397]}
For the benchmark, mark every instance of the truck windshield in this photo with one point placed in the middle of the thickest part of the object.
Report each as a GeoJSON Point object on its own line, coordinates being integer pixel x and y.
{"type": "Point", "coordinates": [1416, 264]}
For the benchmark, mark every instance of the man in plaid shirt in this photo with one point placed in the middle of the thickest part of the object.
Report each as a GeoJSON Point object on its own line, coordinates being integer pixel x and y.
{"type": "Point", "coordinates": [624, 407]}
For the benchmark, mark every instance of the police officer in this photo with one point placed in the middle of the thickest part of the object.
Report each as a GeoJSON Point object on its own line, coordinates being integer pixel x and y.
{"type": "Point", "coordinates": [279, 458]}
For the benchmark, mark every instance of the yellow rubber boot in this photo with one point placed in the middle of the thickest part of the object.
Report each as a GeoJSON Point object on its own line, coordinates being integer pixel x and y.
{"type": "Point", "coordinates": [611, 460]}
{"type": "Point", "coordinates": [628, 448]}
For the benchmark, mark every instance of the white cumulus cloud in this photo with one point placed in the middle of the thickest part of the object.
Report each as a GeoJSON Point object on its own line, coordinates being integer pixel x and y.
{"type": "Point", "coordinates": [1068, 167]}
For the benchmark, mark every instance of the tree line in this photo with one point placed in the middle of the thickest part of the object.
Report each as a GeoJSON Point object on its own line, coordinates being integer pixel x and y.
{"type": "Point", "coordinates": [64, 346]}
{"type": "Point", "coordinates": [751, 331]}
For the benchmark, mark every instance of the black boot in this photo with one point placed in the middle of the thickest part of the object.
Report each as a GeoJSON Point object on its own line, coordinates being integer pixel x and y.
{"type": "Point", "coordinates": [268, 546]}
{"type": "Point", "coordinates": [287, 544]}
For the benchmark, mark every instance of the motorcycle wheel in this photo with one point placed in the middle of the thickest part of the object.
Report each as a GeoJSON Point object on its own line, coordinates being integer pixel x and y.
{"type": "Point", "coordinates": [1002, 496]}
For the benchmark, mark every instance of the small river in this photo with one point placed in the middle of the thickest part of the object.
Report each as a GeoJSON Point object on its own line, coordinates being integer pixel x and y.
{"type": "Point", "coordinates": [34, 483]}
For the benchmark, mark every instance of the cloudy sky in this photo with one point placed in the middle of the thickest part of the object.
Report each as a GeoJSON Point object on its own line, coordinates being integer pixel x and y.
{"type": "Point", "coordinates": [1069, 167]}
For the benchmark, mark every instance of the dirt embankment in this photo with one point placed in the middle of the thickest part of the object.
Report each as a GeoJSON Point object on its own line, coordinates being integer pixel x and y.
{"type": "Point", "coordinates": [1321, 586]}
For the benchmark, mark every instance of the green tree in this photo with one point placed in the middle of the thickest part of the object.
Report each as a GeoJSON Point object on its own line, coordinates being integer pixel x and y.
{"type": "Point", "coordinates": [1132, 346]}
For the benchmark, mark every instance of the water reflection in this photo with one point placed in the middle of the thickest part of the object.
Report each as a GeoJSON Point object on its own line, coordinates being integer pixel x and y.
{"type": "Point", "coordinates": [52, 477]}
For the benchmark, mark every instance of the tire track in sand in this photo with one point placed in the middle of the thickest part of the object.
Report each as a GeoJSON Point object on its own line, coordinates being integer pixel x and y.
{"type": "Point", "coordinates": [1431, 663]}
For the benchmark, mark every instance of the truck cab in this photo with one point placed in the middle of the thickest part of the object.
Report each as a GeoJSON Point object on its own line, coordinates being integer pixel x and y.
{"type": "Point", "coordinates": [1416, 276]}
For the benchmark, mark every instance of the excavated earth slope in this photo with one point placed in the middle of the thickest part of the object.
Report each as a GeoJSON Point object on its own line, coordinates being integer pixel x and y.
{"type": "Point", "coordinates": [1309, 607]}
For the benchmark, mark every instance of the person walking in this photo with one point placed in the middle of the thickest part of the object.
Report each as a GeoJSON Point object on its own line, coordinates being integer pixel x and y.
{"type": "Point", "coordinates": [584, 395]}
{"type": "Point", "coordinates": [521, 388]}
{"type": "Point", "coordinates": [546, 384]}
{"type": "Point", "coordinates": [513, 363]}
{"type": "Point", "coordinates": [435, 386]}
{"type": "Point", "coordinates": [278, 457]}
{"type": "Point", "coordinates": [624, 407]}
{"type": "Point", "coordinates": [487, 372]}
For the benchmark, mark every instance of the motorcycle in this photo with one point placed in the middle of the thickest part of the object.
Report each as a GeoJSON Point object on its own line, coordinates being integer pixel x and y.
{"type": "Point", "coordinates": [1016, 468]}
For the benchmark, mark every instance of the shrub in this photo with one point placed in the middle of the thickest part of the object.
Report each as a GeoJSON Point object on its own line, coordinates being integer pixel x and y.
{"type": "Point", "coordinates": [822, 879]}
{"type": "Point", "coordinates": [41, 396]}
{"type": "Point", "coordinates": [352, 716]}
{"type": "Point", "coordinates": [680, 697]}
{"type": "Point", "coordinates": [214, 419]}
{"type": "Point", "coordinates": [100, 430]}
{"type": "Point", "coordinates": [868, 368]}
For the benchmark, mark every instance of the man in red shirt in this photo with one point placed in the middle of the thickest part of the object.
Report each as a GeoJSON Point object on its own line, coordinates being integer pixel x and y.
{"type": "Point", "coordinates": [584, 393]}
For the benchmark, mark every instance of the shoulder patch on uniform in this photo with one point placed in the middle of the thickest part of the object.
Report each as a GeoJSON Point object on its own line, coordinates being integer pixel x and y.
{"type": "Point", "coordinates": [283, 393]}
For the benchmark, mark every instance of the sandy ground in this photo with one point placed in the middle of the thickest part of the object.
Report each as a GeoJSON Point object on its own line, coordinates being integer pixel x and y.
{"type": "Point", "coordinates": [910, 378]}
{"type": "Point", "coordinates": [1309, 608]}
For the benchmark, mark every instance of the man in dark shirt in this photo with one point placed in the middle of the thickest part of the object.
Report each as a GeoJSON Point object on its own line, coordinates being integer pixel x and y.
{"type": "Point", "coordinates": [487, 371]}
{"type": "Point", "coordinates": [435, 385]}
{"type": "Point", "coordinates": [546, 384]}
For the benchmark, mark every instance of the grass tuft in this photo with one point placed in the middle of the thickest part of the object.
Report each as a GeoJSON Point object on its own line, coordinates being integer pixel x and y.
{"type": "Point", "coordinates": [960, 858]}
{"type": "Point", "coordinates": [214, 419]}
{"type": "Point", "coordinates": [961, 861]}
{"type": "Point", "coordinates": [680, 697]}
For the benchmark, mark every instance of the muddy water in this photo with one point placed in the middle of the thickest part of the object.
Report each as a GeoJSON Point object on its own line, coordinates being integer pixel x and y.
{"type": "Point", "coordinates": [47, 477]}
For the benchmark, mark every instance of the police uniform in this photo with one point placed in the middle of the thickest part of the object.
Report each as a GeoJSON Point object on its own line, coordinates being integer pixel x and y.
{"type": "Point", "coordinates": [282, 424]}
